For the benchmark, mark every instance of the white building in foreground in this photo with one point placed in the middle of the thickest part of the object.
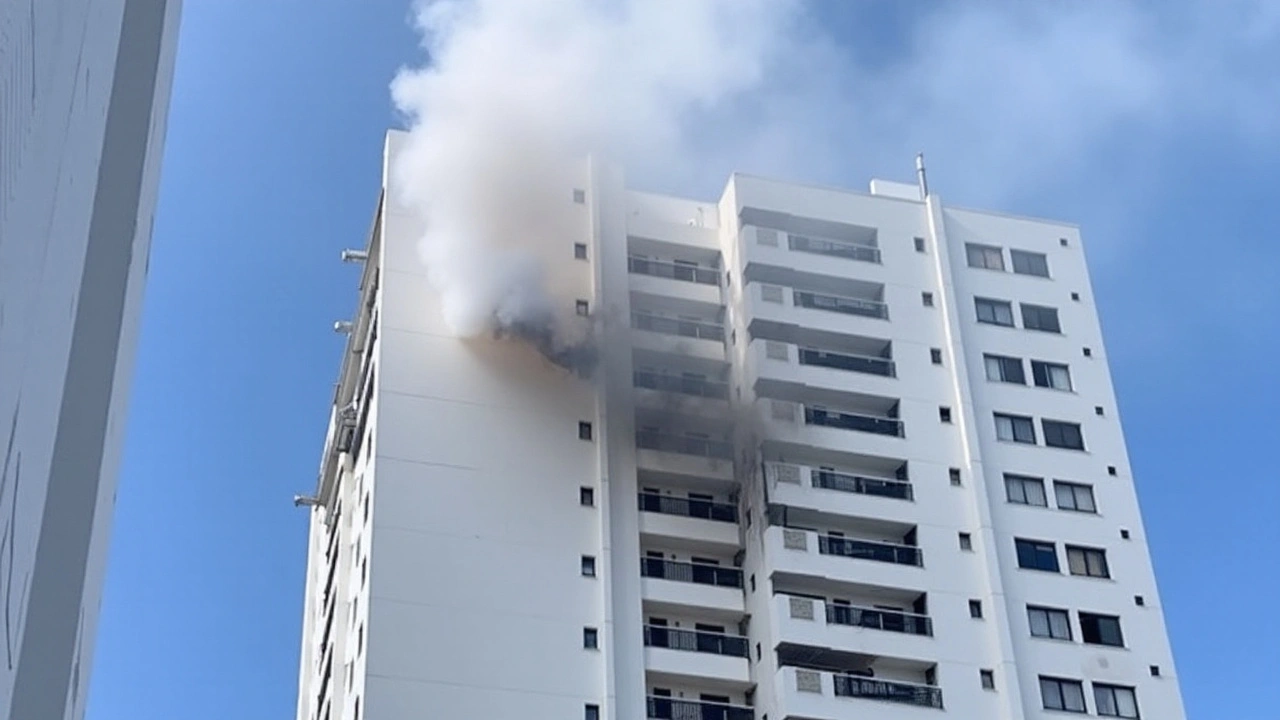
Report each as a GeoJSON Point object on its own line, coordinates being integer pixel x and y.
{"type": "Point", "coordinates": [848, 455]}
{"type": "Point", "coordinates": [84, 96]}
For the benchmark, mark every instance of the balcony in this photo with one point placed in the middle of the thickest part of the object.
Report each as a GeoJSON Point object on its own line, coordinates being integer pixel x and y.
{"type": "Point", "coordinates": [854, 628]}
{"type": "Point", "coordinates": [887, 690]}
{"type": "Point", "coordinates": [870, 550]}
{"type": "Point", "coordinates": [666, 708]}
{"type": "Point", "coordinates": [840, 304]}
{"type": "Point", "coordinates": [834, 248]}
{"type": "Point", "coordinates": [691, 455]}
{"type": "Point", "coordinates": [682, 384]}
{"type": "Point", "coordinates": [678, 336]}
{"type": "Point", "coordinates": [686, 519]}
{"type": "Point", "coordinates": [887, 620]}
{"type": "Point", "coordinates": [697, 573]}
{"type": "Point", "coordinates": [843, 361]}
{"type": "Point", "coordinates": [806, 692]}
{"type": "Point", "coordinates": [672, 270]}
{"type": "Point", "coordinates": [705, 509]}
{"type": "Point", "coordinates": [698, 585]}
{"type": "Point", "coordinates": [677, 326]}
{"type": "Point", "coordinates": [845, 482]}
{"type": "Point", "coordinates": [685, 445]}
{"type": "Point", "coordinates": [852, 421]}
{"type": "Point", "coordinates": [695, 641]}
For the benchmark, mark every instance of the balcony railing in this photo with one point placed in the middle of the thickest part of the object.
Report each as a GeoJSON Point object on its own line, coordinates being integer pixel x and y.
{"type": "Point", "coordinates": [890, 620]}
{"type": "Point", "coordinates": [832, 480]}
{"type": "Point", "coordinates": [697, 573]}
{"type": "Point", "coordinates": [844, 361]}
{"type": "Point", "coordinates": [673, 270]}
{"type": "Point", "coordinates": [899, 692]}
{"type": "Point", "coordinates": [676, 326]}
{"type": "Point", "coordinates": [685, 445]}
{"type": "Point", "coordinates": [820, 246]}
{"type": "Point", "coordinates": [837, 303]}
{"type": "Point", "coordinates": [869, 550]}
{"type": "Point", "coordinates": [680, 384]}
{"type": "Point", "coordinates": [705, 509]}
{"type": "Point", "coordinates": [853, 421]}
{"type": "Point", "coordinates": [695, 641]}
{"type": "Point", "coordinates": [665, 708]}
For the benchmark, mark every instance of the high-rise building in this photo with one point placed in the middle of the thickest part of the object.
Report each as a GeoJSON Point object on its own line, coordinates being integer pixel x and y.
{"type": "Point", "coordinates": [845, 455]}
{"type": "Point", "coordinates": [84, 94]}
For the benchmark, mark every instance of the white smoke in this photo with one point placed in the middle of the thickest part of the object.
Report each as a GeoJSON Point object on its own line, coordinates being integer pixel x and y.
{"type": "Point", "coordinates": [515, 90]}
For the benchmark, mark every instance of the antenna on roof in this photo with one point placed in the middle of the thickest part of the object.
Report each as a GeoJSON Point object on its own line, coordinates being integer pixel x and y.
{"type": "Point", "coordinates": [920, 176]}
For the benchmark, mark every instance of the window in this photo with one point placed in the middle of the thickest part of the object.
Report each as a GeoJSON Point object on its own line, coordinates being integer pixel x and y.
{"type": "Point", "coordinates": [1062, 242]}
{"type": "Point", "coordinates": [994, 312]}
{"type": "Point", "coordinates": [1075, 296]}
{"type": "Point", "coordinates": [1036, 555]}
{"type": "Point", "coordinates": [1124, 534]}
{"type": "Point", "coordinates": [966, 541]}
{"type": "Point", "coordinates": [592, 713]}
{"type": "Point", "coordinates": [590, 638]}
{"type": "Point", "coordinates": [1074, 496]}
{"type": "Point", "coordinates": [1088, 352]}
{"type": "Point", "coordinates": [944, 414]}
{"type": "Point", "coordinates": [955, 476]}
{"type": "Point", "coordinates": [1111, 470]}
{"type": "Point", "coordinates": [1001, 368]}
{"type": "Point", "coordinates": [1025, 490]}
{"type": "Point", "coordinates": [579, 196]}
{"type": "Point", "coordinates": [1101, 629]}
{"type": "Point", "coordinates": [1029, 263]}
{"type": "Point", "coordinates": [1050, 375]}
{"type": "Point", "coordinates": [1139, 600]}
{"type": "Point", "coordinates": [988, 257]}
{"type": "Point", "coordinates": [1062, 434]}
{"type": "Point", "coordinates": [1155, 670]}
{"type": "Point", "coordinates": [1049, 623]}
{"type": "Point", "coordinates": [587, 496]}
{"type": "Point", "coordinates": [1090, 562]}
{"type": "Point", "coordinates": [582, 307]}
{"type": "Point", "coordinates": [935, 356]}
{"type": "Point", "coordinates": [580, 251]}
{"type": "Point", "coordinates": [1097, 410]}
{"type": "Point", "coordinates": [988, 678]}
{"type": "Point", "coordinates": [1057, 694]}
{"type": "Point", "coordinates": [927, 299]}
{"type": "Point", "coordinates": [588, 566]}
{"type": "Point", "coordinates": [919, 244]}
{"type": "Point", "coordinates": [1039, 317]}
{"type": "Point", "coordinates": [975, 609]}
{"type": "Point", "coordinates": [1015, 428]}
{"type": "Point", "coordinates": [1115, 701]}
{"type": "Point", "coordinates": [584, 431]}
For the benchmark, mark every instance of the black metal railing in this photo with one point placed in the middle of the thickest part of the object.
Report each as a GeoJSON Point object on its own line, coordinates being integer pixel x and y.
{"type": "Point", "coordinates": [889, 620]}
{"type": "Point", "coordinates": [866, 253]}
{"type": "Point", "coordinates": [680, 384]}
{"type": "Point", "coordinates": [869, 550]}
{"type": "Point", "coordinates": [695, 641]}
{"type": "Point", "coordinates": [853, 421]}
{"type": "Point", "coordinates": [842, 361]}
{"type": "Point", "coordinates": [832, 480]}
{"type": "Point", "coordinates": [688, 507]}
{"type": "Point", "coordinates": [837, 303]}
{"type": "Point", "coordinates": [697, 573]}
{"type": "Point", "coordinates": [665, 708]}
{"type": "Point", "coordinates": [905, 693]}
{"type": "Point", "coordinates": [676, 326]}
{"type": "Point", "coordinates": [673, 270]}
{"type": "Point", "coordinates": [685, 445]}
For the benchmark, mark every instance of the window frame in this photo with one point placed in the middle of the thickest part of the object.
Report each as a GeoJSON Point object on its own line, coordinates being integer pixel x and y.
{"type": "Point", "coordinates": [1049, 614]}
{"type": "Point", "coordinates": [985, 253]}
{"type": "Point", "coordinates": [1074, 488]}
{"type": "Point", "coordinates": [1038, 547]}
{"type": "Point", "coordinates": [1096, 620]}
{"type": "Point", "coordinates": [1058, 684]}
{"type": "Point", "coordinates": [1013, 421]}
{"type": "Point", "coordinates": [1038, 312]}
{"type": "Point", "coordinates": [1058, 436]}
{"type": "Point", "coordinates": [1112, 689]}
{"type": "Point", "coordinates": [995, 306]}
{"type": "Point", "coordinates": [1090, 556]}
{"type": "Point", "coordinates": [1044, 370]}
{"type": "Point", "coordinates": [1015, 254]}
{"type": "Point", "coordinates": [1021, 481]}
{"type": "Point", "coordinates": [1002, 363]}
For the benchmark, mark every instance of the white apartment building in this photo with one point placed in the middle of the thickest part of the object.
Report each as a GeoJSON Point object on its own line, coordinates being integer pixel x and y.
{"type": "Point", "coordinates": [84, 97]}
{"type": "Point", "coordinates": [846, 455]}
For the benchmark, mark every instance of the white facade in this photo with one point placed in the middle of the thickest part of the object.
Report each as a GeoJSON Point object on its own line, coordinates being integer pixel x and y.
{"type": "Point", "coordinates": [84, 93]}
{"type": "Point", "coordinates": [785, 494]}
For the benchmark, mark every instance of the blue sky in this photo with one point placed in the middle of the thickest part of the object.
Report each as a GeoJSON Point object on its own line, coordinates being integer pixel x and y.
{"type": "Point", "coordinates": [1157, 133]}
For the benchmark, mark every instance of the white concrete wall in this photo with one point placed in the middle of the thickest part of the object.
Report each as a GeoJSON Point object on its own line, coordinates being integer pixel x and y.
{"type": "Point", "coordinates": [86, 88]}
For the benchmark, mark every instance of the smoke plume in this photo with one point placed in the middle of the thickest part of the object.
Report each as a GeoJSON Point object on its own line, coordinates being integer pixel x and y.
{"type": "Point", "coordinates": [512, 94]}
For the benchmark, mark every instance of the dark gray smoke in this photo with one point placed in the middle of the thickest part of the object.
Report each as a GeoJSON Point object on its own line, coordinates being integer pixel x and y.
{"type": "Point", "coordinates": [539, 331]}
